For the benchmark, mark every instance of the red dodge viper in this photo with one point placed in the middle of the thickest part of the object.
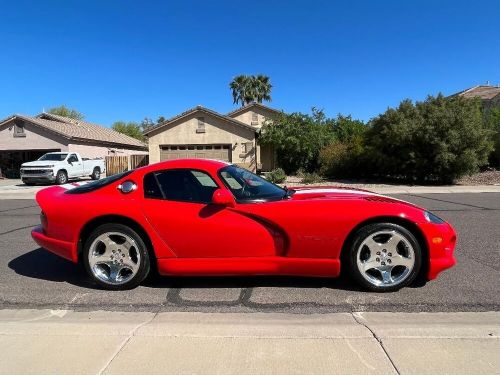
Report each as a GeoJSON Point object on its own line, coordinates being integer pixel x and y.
{"type": "Point", "coordinates": [207, 217]}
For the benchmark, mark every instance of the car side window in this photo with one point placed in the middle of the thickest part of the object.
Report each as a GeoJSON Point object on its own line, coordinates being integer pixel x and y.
{"type": "Point", "coordinates": [72, 158]}
{"type": "Point", "coordinates": [182, 185]}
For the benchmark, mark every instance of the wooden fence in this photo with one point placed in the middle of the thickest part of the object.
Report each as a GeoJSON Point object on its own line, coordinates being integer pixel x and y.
{"type": "Point", "coordinates": [137, 161]}
{"type": "Point", "coordinates": [118, 164]}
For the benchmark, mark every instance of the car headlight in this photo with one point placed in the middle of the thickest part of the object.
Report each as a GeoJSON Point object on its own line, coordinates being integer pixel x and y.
{"type": "Point", "coordinates": [431, 218]}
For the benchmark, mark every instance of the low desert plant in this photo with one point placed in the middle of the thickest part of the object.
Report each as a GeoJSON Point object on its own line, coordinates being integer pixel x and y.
{"type": "Point", "coordinates": [310, 178]}
{"type": "Point", "coordinates": [276, 176]}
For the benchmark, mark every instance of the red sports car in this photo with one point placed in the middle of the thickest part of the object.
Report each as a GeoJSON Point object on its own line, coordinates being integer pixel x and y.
{"type": "Point", "coordinates": [207, 217]}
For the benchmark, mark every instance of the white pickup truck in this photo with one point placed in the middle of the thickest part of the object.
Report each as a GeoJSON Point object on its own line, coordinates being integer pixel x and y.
{"type": "Point", "coordinates": [59, 167]}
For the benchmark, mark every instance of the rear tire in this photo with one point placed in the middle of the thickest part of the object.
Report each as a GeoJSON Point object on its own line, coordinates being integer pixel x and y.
{"type": "Point", "coordinates": [96, 174]}
{"type": "Point", "coordinates": [116, 257]}
{"type": "Point", "coordinates": [61, 177]}
{"type": "Point", "coordinates": [384, 257]}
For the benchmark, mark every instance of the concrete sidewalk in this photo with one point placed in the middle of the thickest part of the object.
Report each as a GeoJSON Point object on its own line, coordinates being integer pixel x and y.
{"type": "Point", "coordinates": [67, 342]}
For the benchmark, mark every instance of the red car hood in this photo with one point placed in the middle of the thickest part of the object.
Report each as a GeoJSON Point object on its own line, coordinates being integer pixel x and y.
{"type": "Point", "coordinates": [335, 192]}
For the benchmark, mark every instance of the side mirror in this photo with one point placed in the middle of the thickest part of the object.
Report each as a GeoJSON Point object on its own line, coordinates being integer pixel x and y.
{"type": "Point", "coordinates": [223, 197]}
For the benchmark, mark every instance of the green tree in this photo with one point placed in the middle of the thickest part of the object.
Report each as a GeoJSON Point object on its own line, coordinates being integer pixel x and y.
{"type": "Point", "coordinates": [297, 139]}
{"type": "Point", "coordinates": [132, 129]}
{"type": "Point", "coordinates": [66, 112]}
{"type": "Point", "coordinates": [493, 123]}
{"type": "Point", "coordinates": [439, 139]}
{"type": "Point", "coordinates": [347, 129]}
{"type": "Point", "coordinates": [345, 155]}
{"type": "Point", "coordinates": [250, 88]}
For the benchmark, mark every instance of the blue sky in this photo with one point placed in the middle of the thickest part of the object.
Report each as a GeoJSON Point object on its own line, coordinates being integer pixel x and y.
{"type": "Point", "coordinates": [126, 60]}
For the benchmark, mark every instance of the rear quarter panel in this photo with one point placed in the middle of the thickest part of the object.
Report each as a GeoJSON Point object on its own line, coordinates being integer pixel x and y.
{"type": "Point", "coordinates": [68, 214]}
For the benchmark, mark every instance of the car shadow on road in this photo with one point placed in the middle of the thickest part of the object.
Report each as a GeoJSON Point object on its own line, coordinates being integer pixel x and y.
{"type": "Point", "coordinates": [242, 282]}
{"type": "Point", "coordinates": [43, 265]}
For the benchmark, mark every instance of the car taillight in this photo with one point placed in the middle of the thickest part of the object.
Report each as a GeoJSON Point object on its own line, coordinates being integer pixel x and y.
{"type": "Point", "coordinates": [44, 221]}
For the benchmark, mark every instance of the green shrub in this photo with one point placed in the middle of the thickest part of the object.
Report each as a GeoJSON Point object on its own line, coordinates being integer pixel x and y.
{"type": "Point", "coordinates": [493, 123]}
{"type": "Point", "coordinates": [298, 138]}
{"type": "Point", "coordinates": [343, 159]}
{"type": "Point", "coordinates": [439, 139]}
{"type": "Point", "coordinates": [276, 176]}
{"type": "Point", "coordinates": [310, 178]}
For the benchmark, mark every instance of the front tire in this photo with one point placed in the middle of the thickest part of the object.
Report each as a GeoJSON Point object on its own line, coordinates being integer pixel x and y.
{"type": "Point", "coordinates": [116, 257]}
{"type": "Point", "coordinates": [384, 257]}
{"type": "Point", "coordinates": [61, 177]}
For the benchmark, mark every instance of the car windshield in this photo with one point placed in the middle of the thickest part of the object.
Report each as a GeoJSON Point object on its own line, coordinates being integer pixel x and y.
{"type": "Point", "coordinates": [53, 157]}
{"type": "Point", "coordinates": [247, 186]}
{"type": "Point", "coordinates": [91, 186]}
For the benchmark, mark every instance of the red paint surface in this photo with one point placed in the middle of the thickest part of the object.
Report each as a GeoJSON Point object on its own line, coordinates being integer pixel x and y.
{"type": "Point", "coordinates": [303, 235]}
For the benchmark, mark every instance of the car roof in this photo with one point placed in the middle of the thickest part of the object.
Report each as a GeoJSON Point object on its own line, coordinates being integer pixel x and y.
{"type": "Point", "coordinates": [210, 165]}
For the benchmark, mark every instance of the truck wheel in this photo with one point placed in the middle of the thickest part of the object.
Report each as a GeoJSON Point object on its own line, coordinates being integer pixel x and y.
{"type": "Point", "coordinates": [61, 177]}
{"type": "Point", "coordinates": [96, 174]}
{"type": "Point", "coordinates": [28, 183]}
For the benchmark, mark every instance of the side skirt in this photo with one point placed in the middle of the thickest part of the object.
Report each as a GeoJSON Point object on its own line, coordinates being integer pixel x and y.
{"type": "Point", "coordinates": [249, 266]}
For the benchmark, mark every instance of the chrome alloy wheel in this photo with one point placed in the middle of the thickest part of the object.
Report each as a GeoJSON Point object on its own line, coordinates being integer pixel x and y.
{"type": "Point", "coordinates": [385, 258]}
{"type": "Point", "coordinates": [114, 258]}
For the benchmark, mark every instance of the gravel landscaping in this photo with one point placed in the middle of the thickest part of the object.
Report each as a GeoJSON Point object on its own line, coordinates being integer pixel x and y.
{"type": "Point", "coordinates": [483, 178]}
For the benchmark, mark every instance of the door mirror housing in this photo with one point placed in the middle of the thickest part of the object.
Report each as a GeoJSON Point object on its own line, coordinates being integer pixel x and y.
{"type": "Point", "coordinates": [223, 197]}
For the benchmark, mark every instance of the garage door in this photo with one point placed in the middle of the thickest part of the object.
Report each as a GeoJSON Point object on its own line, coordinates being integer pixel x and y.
{"type": "Point", "coordinates": [219, 152]}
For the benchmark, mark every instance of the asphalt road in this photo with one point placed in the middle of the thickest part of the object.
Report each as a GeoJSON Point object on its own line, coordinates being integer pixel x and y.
{"type": "Point", "coordinates": [31, 277]}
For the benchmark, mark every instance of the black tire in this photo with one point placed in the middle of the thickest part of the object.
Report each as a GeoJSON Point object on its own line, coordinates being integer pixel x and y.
{"type": "Point", "coordinates": [28, 183]}
{"type": "Point", "coordinates": [61, 177]}
{"type": "Point", "coordinates": [364, 233]}
{"type": "Point", "coordinates": [144, 261]}
{"type": "Point", "coordinates": [96, 173]}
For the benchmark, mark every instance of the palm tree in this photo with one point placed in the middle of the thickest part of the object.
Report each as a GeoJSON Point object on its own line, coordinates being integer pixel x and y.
{"type": "Point", "coordinates": [248, 89]}
{"type": "Point", "coordinates": [239, 86]}
{"type": "Point", "coordinates": [263, 88]}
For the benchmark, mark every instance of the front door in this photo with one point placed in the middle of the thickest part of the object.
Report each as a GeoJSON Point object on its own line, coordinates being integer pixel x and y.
{"type": "Point", "coordinates": [178, 205]}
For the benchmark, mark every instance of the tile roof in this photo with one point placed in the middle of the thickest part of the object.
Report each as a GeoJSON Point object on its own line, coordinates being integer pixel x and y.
{"type": "Point", "coordinates": [248, 106]}
{"type": "Point", "coordinates": [199, 108]}
{"type": "Point", "coordinates": [483, 92]}
{"type": "Point", "coordinates": [81, 130]}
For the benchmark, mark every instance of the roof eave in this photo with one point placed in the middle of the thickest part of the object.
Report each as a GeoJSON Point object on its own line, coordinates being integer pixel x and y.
{"type": "Point", "coordinates": [199, 109]}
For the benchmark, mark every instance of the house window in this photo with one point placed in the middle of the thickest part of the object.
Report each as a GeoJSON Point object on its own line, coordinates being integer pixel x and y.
{"type": "Point", "coordinates": [19, 130]}
{"type": "Point", "coordinates": [255, 118]}
{"type": "Point", "coordinates": [201, 125]}
{"type": "Point", "coordinates": [246, 148]}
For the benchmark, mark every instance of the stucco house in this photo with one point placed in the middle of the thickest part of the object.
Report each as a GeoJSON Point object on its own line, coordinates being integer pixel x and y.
{"type": "Point", "coordinates": [203, 133]}
{"type": "Point", "coordinates": [26, 138]}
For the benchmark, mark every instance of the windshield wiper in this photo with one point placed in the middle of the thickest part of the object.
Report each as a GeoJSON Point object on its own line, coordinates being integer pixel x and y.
{"type": "Point", "coordinates": [288, 192]}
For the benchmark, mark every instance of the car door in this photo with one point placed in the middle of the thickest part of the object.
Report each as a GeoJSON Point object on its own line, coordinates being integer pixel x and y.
{"type": "Point", "coordinates": [75, 168]}
{"type": "Point", "coordinates": [177, 203]}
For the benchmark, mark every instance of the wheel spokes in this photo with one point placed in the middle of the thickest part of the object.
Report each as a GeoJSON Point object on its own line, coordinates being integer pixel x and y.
{"type": "Point", "coordinates": [386, 274]}
{"type": "Point", "coordinates": [114, 258]}
{"type": "Point", "coordinates": [385, 258]}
